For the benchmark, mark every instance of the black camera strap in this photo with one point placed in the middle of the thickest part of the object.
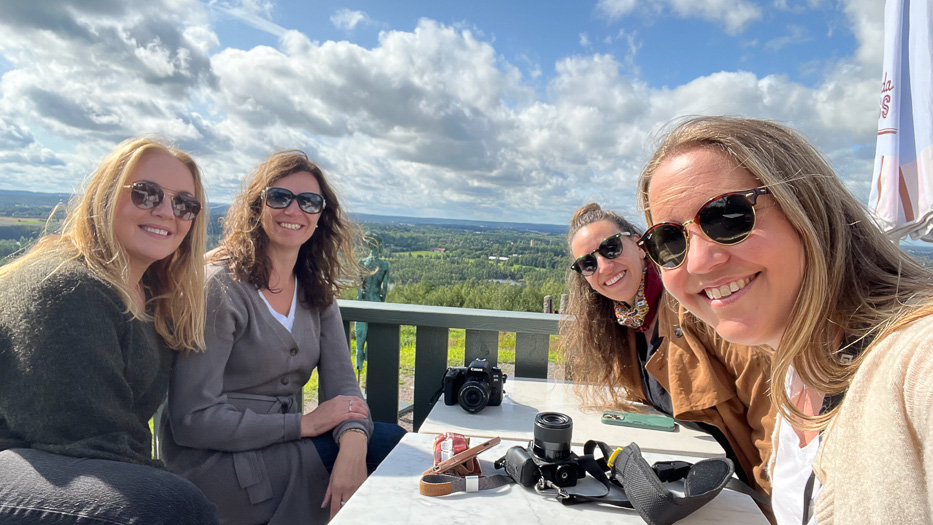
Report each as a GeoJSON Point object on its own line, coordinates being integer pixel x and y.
{"type": "Point", "coordinates": [633, 483]}
{"type": "Point", "coordinates": [629, 481]}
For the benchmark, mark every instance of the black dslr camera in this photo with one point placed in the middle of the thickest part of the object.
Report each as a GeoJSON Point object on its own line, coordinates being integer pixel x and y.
{"type": "Point", "coordinates": [548, 457]}
{"type": "Point", "coordinates": [474, 386]}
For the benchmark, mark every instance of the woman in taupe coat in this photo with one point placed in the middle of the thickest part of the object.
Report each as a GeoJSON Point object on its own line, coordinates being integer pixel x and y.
{"type": "Point", "coordinates": [272, 318]}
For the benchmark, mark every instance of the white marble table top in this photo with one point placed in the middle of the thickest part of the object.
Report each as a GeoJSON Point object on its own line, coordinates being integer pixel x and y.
{"type": "Point", "coordinates": [391, 496]}
{"type": "Point", "coordinates": [524, 398]}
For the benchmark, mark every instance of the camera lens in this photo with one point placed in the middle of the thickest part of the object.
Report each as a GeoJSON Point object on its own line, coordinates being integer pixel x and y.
{"type": "Point", "coordinates": [474, 395]}
{"type": "Point", "coordinates": [552, 433]}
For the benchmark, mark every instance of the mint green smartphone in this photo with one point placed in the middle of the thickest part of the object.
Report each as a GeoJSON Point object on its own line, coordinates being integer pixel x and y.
{"type": "Point", "coordinates": [646, 421]}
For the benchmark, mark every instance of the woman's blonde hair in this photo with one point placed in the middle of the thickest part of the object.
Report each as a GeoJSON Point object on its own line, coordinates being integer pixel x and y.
{"type": "Point", "coordinates": [325, 262]}
{"type": "Point", "coordinates": [593, 344]}
{"type": "Point", "coordinates": [174, 285]}
{"type": "Point", "coordinates": [856, 282]}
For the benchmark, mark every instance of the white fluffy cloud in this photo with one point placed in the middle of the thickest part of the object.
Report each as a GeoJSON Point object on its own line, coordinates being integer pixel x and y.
{"type": "Point", "coordinates": [428, 122]}
{"type": "Point", "coordinates": [615, 9]}
{"type": "Point", "coordinates": [733, 15]}
{"type": "Point", "coordinates": [347, 19]}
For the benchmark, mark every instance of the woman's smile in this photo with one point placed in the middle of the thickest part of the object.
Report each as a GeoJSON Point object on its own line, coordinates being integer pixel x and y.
{"type": "Point", "coordinates": [719, 292]}
{"type": "Point", "coordinates": [616, 278]}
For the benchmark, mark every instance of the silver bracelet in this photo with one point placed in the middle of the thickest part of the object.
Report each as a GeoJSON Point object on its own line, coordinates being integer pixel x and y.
{"type": "Point", "coordinates": [354, 429]}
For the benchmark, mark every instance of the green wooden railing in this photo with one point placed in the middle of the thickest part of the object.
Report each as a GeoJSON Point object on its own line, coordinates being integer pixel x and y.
{"type": "Point", "coordinates": [532, 334]}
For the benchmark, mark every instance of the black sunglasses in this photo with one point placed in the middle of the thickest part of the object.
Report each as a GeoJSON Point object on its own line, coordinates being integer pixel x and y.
{"type": "Point", "coordinates": [147, 195]}
{"type": "Point", "coordinates": [610, 248]}
{"type": "Point", "coordinates": [726, 219]}
{"type": "Point", "coordinates": [279, 198]}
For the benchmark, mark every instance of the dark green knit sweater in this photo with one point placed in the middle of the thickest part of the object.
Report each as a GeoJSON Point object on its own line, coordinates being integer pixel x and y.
{"type": "Point", "coordinates": [78, 376]}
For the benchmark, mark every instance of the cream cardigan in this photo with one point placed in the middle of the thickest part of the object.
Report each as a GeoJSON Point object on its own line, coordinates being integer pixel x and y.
{"type": "Point", "coordinates": [876, 459]}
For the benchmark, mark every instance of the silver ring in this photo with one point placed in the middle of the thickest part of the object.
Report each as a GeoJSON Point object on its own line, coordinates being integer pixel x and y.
{"type": "Point", "coordinates": [342, 503]}
{"type": "Point", "coordinates": [350, 408]}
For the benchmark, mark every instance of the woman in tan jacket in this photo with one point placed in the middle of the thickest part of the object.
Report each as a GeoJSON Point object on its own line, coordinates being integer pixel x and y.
{"type": "Point", "coordinates": [627, 341]}
{"type": "Point", "coordinates": [758, 236]}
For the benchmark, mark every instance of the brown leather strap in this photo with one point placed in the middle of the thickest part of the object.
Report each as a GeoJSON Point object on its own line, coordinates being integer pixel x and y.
{"type": "Point", "coordinates": [442, 484]}
{"type": "Point", "coordinates": [435, 487]}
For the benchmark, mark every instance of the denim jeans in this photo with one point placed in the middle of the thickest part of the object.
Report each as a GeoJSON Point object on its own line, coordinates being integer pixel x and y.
{"type": "Point", "coordinates": [38, 487]}
{"type": "Point", "coordinates": [385, 437]}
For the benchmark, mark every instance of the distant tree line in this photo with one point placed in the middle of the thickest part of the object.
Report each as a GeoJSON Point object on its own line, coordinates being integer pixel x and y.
{"type": "Point", "coordinates": [26, 211]}
{"type": "Point", "coordinates": [18, 232]}
{"type": "Point", "coordinates": [459, 272]}
{"type": "Point", "coordinates": [526, 297]}
{"type": "Point", "coordinates": [437, 265]}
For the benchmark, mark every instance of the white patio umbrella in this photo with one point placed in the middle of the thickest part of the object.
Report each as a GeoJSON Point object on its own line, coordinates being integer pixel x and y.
{"type": "Point", "coordinates": [902, 183]}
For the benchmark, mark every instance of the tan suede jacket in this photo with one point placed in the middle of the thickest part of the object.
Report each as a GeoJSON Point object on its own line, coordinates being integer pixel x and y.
{"type": "Point", "coordinates": [715, 382]}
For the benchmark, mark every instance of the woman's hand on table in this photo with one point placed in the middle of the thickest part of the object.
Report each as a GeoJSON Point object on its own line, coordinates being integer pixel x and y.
{"type": "Point", "coordinates": [349, 471]}
{"type": "Point", "coordinates": [331, 413]}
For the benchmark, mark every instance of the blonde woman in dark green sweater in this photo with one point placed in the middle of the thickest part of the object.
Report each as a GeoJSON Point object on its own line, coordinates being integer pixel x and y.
{"type": "Point", "coordinates": [89, 324]}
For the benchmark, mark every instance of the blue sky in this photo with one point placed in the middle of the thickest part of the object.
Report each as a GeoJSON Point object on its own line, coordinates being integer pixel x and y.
{"type": "Point", "coordinates": [671, 50]}
{"type": "Point", "coordinates": [518, 111]}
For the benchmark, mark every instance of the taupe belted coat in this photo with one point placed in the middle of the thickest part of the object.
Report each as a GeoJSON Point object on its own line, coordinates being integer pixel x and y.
{"type": "Point", "coordinates": [234, 428]}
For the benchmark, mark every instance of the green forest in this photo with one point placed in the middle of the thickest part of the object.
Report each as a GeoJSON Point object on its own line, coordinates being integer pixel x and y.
{"type": "Point", "coordinates": [512, 267]}
{"type": "Point", "coordinates": [499, 269]}
{"type": "Point", "coordinates": [432, 264]}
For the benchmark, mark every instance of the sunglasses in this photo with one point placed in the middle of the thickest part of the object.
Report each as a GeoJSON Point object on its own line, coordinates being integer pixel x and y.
{"type": "Point", "coordinates": [279, 198]}
{"type": "Point", "coordinates": [610, 248]}
{"type": "Point", "coordinates": [147, 195]}
{"type": "Point", "coordinates": [727, 219]}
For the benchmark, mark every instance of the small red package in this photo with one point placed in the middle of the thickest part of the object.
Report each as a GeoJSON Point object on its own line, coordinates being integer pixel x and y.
{"type": "Point", "coordinates": [448, 444]}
